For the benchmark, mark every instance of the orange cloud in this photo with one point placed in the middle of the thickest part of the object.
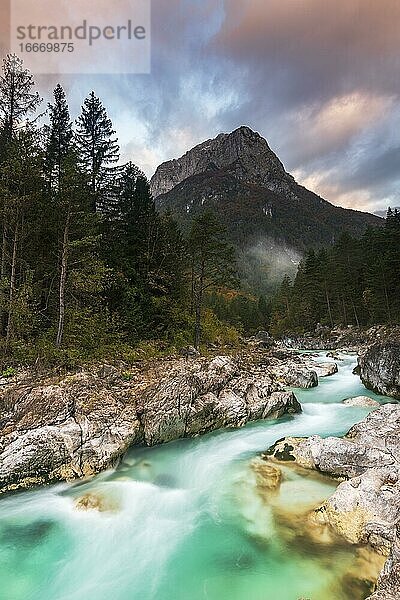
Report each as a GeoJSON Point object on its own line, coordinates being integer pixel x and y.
{"type": "Point", "coordinates": [368, 26]}
{"type": "Point", "coordinates": [331, 126]}
{"type": "Point", "coordinates": [325, 184]}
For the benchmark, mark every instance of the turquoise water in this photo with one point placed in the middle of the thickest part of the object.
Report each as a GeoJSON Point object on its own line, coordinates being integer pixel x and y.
{"type": "Point", "coordinates": [184, 521]}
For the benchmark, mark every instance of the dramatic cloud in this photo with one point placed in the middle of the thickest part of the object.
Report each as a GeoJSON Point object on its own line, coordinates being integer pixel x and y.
{"type": "Point", "coordinates": [319, 79]}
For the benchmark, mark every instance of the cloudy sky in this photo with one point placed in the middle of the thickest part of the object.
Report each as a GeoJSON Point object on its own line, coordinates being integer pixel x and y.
{"type": "Point", "coordinates": [320, 79]}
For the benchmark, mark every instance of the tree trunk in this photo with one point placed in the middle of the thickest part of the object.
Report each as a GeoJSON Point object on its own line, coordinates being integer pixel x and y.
{"type": "Point", "coordinates": [287, 307]}
{"type": "Point", "coordinates": [385, 290]}
{"type": "Point", "coordinates": [197, 330]}
{"type": "Point", "coordinates": [3, 253]}
{"type": "Point", "coordinates": [63, 280]}
{"type": "Point", "coordinates": [344, 310]}
{"type": "Point", "coordinates": [192, 288]}
{"type": "Point", "coordinates": [329, 306]}
{"type": "Point", "coordinates": [3, 314]}
{"type": "Point", "coordinates": [12, 284]}
{"type": "Point", "coordinates": [355, 313]}
{"type": "Point", "coordinates": [198, 295]}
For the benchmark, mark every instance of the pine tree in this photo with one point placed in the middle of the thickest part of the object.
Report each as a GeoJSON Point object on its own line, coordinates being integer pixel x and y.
{"type": "Point", "coordinates": [59, 137]}
{"type": "Point", "coordinates": [17, 98]}
{"type": "Point", "coordinates": [146, 253]}
{"type": "Point", "coordinates": [20, 188]}
{"type": "Point", "coordinates": [98, 149]}
{"type": "Point", "coordinates": [80, 272]}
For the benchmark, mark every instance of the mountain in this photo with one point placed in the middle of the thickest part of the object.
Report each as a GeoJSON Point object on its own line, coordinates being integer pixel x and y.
{"type": "Point", "coordinates": [245, 152]}
{"type": "Point", "coordinates": [269, 217]}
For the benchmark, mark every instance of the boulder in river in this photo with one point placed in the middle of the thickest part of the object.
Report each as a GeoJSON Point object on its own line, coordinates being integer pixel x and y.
{"type": "Point", "coordinates": [379, 368]}
{"type": "Point", "coordinates": [325, 369]}
{"type": "Point", "coordinates": [362, 509]}
{"type": "Point", "coordinates": [389, 579]}
{"type": "Point", "coordinates": [361, 401]}
{"type": "Point", "coordinates": [301, 378]}
{"type": "Point", "coordinates": [98, 502]}
{"type": "Point", "coordinates": [221, 396]}
{"type": "Point", "coordinates": [64, 429]}
{"type": "Point", "coordinates": [334, 355]}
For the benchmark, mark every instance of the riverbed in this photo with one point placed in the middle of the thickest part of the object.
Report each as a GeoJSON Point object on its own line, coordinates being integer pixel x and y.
{"type": "Point", "coordinates": [185, 521]}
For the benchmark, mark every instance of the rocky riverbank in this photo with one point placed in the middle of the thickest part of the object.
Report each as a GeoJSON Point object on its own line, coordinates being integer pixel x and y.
{"type": "Point", "coordinates": [72, 426]}
{"type": "Point", "coordinates": [76, 425]}
{"type": "Point", "coordinates": [63, 428]}
{"type": "Point", "coordinates": [365, 508]}
{"type": "Point", "coordinates": [353, 339]}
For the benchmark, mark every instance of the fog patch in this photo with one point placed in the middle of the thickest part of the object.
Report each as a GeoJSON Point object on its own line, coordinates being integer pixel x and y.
{"type": "Point", "coordinates": [263, 265]}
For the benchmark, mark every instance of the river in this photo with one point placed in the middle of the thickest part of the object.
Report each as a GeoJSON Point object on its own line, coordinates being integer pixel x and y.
{"type": "Point", "coordinates": [183, 521]}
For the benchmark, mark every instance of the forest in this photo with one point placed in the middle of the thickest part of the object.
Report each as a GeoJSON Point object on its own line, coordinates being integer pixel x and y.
{"type": "Point", "coordinates": [354, 282]}
{"type": "Point", "coordinates": [90, 270]}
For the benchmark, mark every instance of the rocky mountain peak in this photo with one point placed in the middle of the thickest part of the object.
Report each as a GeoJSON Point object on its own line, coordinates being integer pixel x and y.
{"type": "Point", "coordinates": [269, 218]}
{"type": "Point", "coordinates": [243, 152]}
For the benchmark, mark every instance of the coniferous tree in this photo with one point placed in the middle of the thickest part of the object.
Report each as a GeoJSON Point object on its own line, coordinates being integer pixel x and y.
{"type": "Point", "coordinates": [17, 98]}
{"type": "Point", "coordinates": [80, 272]}
{"type": "Point", "coordinates": [281, 307]}
{"type": "Point", "coordinates": [17, 102]}
{"type": "Point", "coordinates": [355, 282]}
{"type": "Point", "coordinates": [98, 149]}
{"type": "Point", "coordinates": [59, 137]}
{"type": "Point", "coordinates": [20, 188]}
{"type": "Point", "coordinates": [145, 252]}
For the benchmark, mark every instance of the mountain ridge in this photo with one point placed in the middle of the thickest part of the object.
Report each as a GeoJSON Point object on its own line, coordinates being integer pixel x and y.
{"type": "Point", "coordinates": [240, 178]}
{"type": "Point", "coordinates": [242, 144]}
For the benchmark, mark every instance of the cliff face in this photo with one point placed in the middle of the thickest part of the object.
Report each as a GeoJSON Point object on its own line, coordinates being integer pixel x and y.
{"type": "Point", "coordinates": [244, 152]}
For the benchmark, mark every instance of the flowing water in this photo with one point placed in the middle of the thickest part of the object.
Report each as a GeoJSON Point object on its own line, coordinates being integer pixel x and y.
{"type": "Point", "coordinates": [184, 521]}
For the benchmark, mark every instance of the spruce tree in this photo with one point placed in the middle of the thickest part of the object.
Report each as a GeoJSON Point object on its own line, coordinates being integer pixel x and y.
{"type": "Point", "coordinates": [80, 272]}
{"type": "Point", "coordinates": [17, 98]}
{"type": "Point", "coordinates": [20, 188]}
{"type": "Point", "coordinates": [134, 244]}
{"type": "Point", "coordinates": [98, 148]}
{"type": "Point", "coordinates": [132, 219]}
{"type": "Point", "coordinates": [59, 137]}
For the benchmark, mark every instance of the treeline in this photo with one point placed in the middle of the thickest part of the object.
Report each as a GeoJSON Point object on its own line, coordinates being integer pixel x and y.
{"type": "Point", "coordinates": [88, 268]}
{"type": "Point", "coordinates": [354, 282]}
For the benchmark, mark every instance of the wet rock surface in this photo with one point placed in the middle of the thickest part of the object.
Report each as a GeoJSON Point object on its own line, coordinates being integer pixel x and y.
{"type": "Point", "coordinates": [63, 430]}
{"type": "Point", "coordinates": [361, 401]}
{"type": "Point", "coordinates": [302, 378]}
{"type": "Point", "coordinates": [365, 508]}
{"type": "Point", "coordinates": [300, 370]}
{"type": "Point", "coordinates": [80, 424]}
{"type": "Point", "coordinates": [202, 400]}
{"type": "Point", "coordinates": [379, 367]}
{"type": "Point", "coordinates": [389, 580]}
{"type": "Point", "coordinates": [325, 369]}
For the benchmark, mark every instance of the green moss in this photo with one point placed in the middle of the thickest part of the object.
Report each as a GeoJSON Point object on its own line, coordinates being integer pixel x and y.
{"type": "Point", "coordinates": [9, 372]}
